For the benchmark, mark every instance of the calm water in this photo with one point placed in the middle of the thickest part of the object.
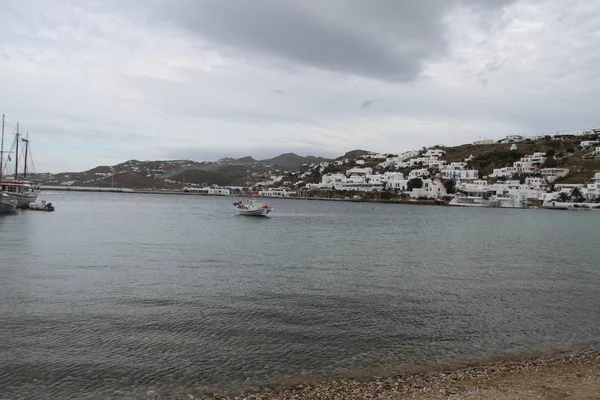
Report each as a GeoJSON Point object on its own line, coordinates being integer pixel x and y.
{"type": "Point", "coordinates": [140, 296]}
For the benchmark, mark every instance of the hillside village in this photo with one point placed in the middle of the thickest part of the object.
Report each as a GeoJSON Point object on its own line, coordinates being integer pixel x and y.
{"type": "Point", "coordinates": [525, 169]}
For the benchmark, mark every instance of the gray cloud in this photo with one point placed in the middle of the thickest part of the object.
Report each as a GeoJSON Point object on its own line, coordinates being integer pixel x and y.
{"type": "Point", "coordinates": [386, 39]}
{"type": "Point", "coordinates": [101, 82]}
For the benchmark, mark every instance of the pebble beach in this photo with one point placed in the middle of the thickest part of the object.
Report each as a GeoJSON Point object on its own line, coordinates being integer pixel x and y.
{"type": "Point", "coordinates": [572, 375]}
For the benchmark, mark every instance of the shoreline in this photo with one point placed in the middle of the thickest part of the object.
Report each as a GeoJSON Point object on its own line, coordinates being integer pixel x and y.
{"type": "Point", "coordinates": [574, 374]}
{"type": "Point", "coordinates": [422, 202]}
{"type": "Point", "coordinates": [180, 193]}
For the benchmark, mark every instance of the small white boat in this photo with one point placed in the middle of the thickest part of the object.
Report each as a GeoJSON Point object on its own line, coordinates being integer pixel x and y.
{"type": "Point", "coordinates": [43, 206]}
{"type": "Point", "coordinates": [253, 208]}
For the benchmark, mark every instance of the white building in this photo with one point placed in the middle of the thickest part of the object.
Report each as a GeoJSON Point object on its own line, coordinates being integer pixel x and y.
{"type": "Point", "coordinates": [552, 174]}
{"type": "Point", "coordinates": [512, 139]}
{"type": "Point", "coordinates": [395, 181]}
{"type": "Point", "coordinates": [588, 143]}
{"type": "Point", "coordinates": [458, 174]}
{"type": "Point", "coordinates": [277, 192]}
{"type": "Point", "coordinates": [359, 171]}
{"type": "Point", "coordinates": [509, 190]}
{"type": "Point", "coordinates": [434, 153]}
{"type": "Point", "coordinates": [529, 163]}
{"type": "Point", "coordinates": [592, 190]}
{"type": "Point", "coordinates": [432, 189]}
{"type": "Point", "coordinates": [537, 183]}
{"type": "Point", "coordinates": [215, 191]}
{"type": "Point", "coordinates": [418, 173]}
{"type": "Point", "coordinates": [456, 165]}
{"type": "Point", "coordinates": [506, 172]}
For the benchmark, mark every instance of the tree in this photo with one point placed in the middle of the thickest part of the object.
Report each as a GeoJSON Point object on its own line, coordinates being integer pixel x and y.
{"type": "Point", "coordinates": [576, 195]}
{"type": "Point", "coordinates": [450, 186]}
{"type": "Point", "coordinates": [415, 183]}
{"type": "Point", "coordinates": [550, 153]}
{"type": "Point", "coordinates": [550, 163]}
{"type": "Point", "coordinates": [563, 197]}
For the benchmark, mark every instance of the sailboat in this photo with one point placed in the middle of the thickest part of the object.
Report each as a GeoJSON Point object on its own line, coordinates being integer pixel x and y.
{"type": "Point", "coordinates": [18, 188]}
{"type": "Point", "coordinates": [7, 203]}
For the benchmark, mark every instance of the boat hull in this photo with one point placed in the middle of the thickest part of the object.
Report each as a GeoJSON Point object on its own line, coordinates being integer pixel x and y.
{"type": "Point", "coordinates": [260, 212]}
{"type": "Point", "coordinates": [7, 205]}
{"type": "Point", "coordinates": [23, 200]}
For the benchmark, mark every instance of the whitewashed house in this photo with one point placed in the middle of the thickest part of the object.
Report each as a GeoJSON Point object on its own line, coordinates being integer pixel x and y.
{"type": "Point", "coordinates": [512, 139]}
{"type": "Point", "coordinates": [395, 181]}
{"type": "Point", "coordinates": [277, 192]}
{"type": "Point", "coordinates": [434, 153]}
{"type": "Point", "coordinates": [359, 171]}
{"type": "Point", "coordinates": [418, 173]}
{"type": "Point", "coordinates": [432, 189]}
{"type": "Point", "coordinates": [592, 190]}
{"type": "Point", "coordinates": [552, 174]}
{"type": "Point", "coordinates": [588, 143]}
{"type": "Point", "coordinates": [506, 172]}
{"type": "Point", "coordinates": [458, 174]}
{"type": "Point", "coordinates": [536, 183]}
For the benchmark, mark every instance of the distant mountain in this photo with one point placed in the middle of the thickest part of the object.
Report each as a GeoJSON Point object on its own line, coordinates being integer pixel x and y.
{"type": "Point", "coordinates": [292, 160]}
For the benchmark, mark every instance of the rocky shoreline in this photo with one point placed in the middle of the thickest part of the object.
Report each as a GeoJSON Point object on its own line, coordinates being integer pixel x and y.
{"type": "Point", "coordinates": [573, 375]}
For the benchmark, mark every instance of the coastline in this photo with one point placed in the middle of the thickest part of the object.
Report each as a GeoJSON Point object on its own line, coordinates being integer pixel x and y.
{"type": "Point", "coordinates": [573, 374]}
{"type": "Point", "coordinates": [180, 193]}
{"type": "Point", "coordinates": [425, 202]}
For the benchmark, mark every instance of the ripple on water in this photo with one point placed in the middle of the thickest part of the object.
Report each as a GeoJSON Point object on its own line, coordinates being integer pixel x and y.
{"type": "Point", "coordinates": [131, 299]}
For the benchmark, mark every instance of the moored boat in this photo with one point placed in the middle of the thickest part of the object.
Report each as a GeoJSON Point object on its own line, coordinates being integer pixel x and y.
{"type": "Point", "coordinates": [43, 206]}
{"type": "Point", "coordinates": [21, 191]}
{"type": "Point", "coordinates": [17, 187]}
{"type": "Point", "coordinates": [252, 208]}
{"type": "Point", "coordinates": [7, 204]}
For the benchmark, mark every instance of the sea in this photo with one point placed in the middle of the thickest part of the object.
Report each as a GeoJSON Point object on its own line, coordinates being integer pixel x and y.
{"type": "Point", "coordinates": [135, 296]}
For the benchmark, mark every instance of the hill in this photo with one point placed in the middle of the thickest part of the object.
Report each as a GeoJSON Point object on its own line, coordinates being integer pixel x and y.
{"type": "Point", "coordinates": [291, 160]}
{"type": "Point", "coordinates": [292, 169]}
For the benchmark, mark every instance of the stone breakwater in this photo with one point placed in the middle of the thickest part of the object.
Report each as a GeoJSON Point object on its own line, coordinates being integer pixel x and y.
{"type": "Point", "coordinates": [573, 375]}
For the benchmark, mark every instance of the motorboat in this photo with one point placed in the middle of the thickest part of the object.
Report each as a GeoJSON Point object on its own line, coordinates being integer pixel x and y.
{"type": "Point", "coordinates": [43, 206]}
{"type": "Point", "coordinates": [251, 207]}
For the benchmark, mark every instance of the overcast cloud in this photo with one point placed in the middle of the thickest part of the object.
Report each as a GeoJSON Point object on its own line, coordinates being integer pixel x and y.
{"type": "Point", "coordinates": [100, 82]}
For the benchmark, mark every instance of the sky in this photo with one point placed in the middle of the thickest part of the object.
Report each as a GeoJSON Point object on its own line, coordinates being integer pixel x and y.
{"type": "Point", "coordinates": [99, 82]}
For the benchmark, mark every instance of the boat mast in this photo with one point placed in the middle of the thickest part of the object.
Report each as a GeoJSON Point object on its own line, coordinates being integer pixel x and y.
{"type": "Point", "coordinates": [17, 154]}
{"type": "Point", "coordinates": [2, 152]}
{"type": "Point", "coordinates": [26, 153]}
